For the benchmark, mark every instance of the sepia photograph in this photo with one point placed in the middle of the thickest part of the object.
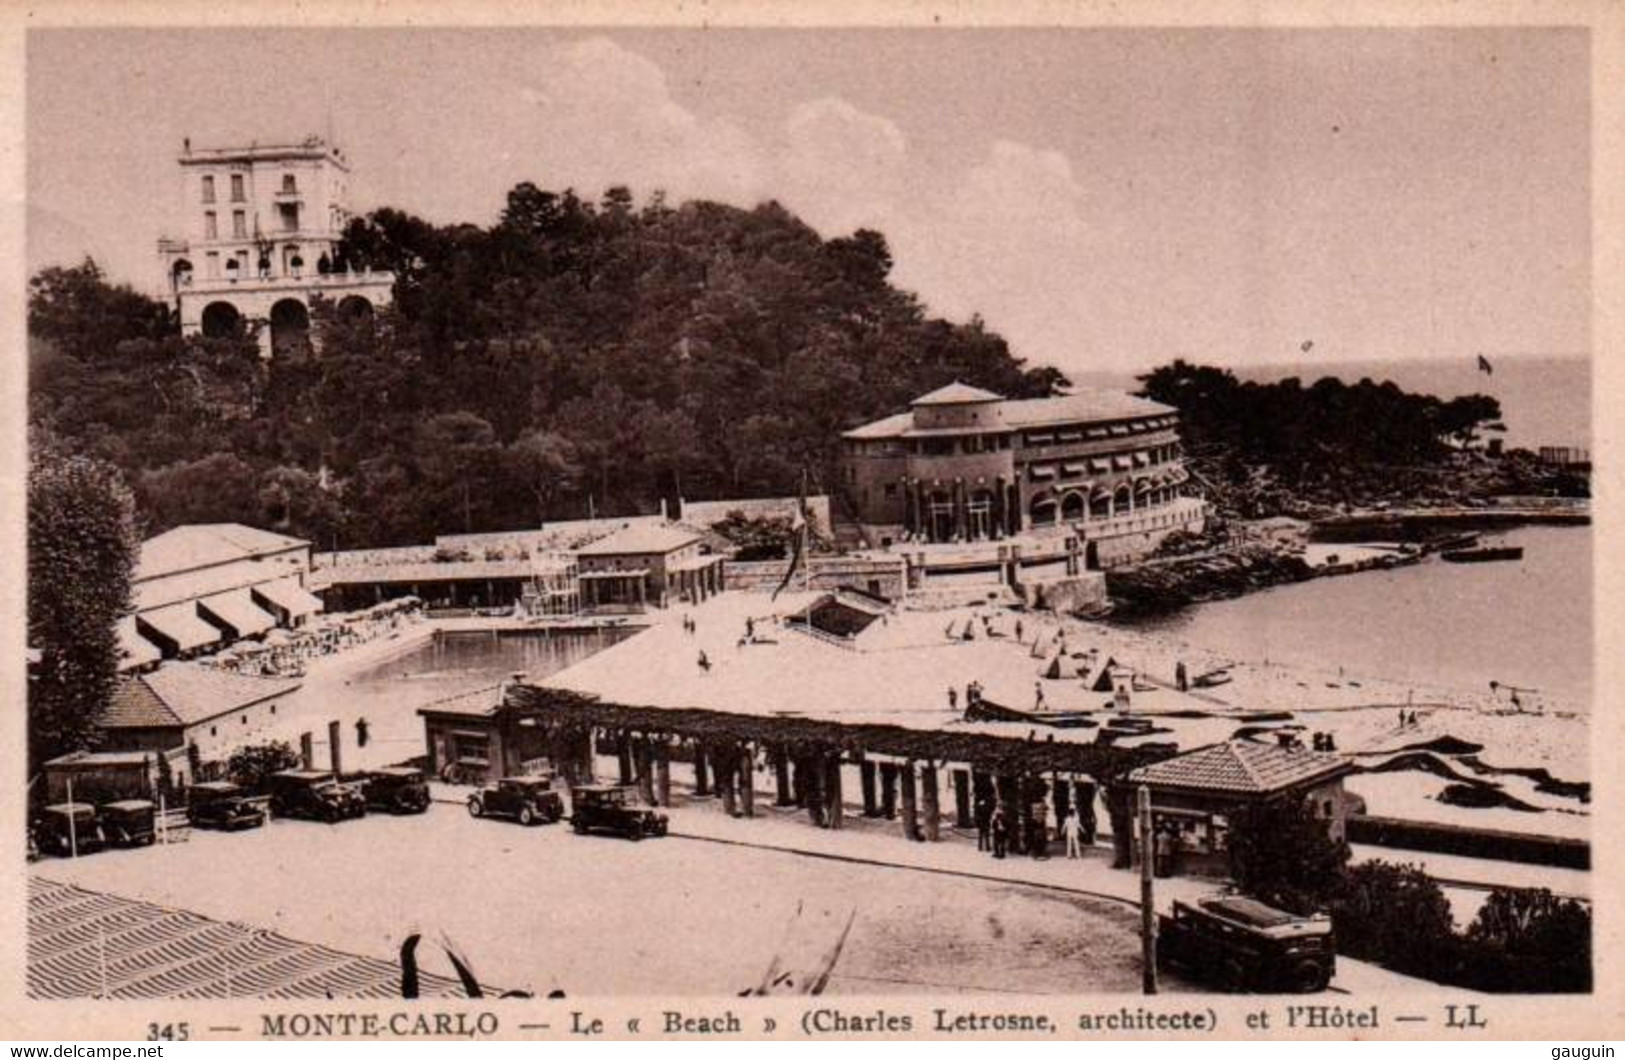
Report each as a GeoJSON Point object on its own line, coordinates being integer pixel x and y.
{"type": "Point", "coordinates": [927, 523]}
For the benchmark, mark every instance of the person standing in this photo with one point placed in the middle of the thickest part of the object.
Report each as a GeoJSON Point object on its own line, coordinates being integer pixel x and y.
{"type": "Point", "coordinates": [1069, 831]}
{"type": "Point", "coordinates": [1181, 677]}
{"type": "Point", "coordinates": [1001, 832]}
{"type": "Point", "coordinates": [984, 824]}
{"type": "Point", "coordinates": [1038, 695]}
{"type": "Point", "coordinates": [361, 730]}
{"type": "Point", "coordinates": [953, 698]}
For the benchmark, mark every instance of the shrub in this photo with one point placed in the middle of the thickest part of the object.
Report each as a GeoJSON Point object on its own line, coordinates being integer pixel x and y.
{"type": "Point", "coordinates": [1395, 915]}
{"type": "Point", "coordinates": [1281, 854]}
{"type": "Point", "coordinates": [250, 766]}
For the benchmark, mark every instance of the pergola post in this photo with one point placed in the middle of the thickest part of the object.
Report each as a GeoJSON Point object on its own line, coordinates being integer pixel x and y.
{"type": "Point", "coordinates": [911, 823]}
{"type": "Point", "coordinates": [866, 777]}
{"type": "Point", "coordinates": [1084, 795]}
{"type": "Point", "coordinates": [812, 785]}
{"type": "Point", "coordinates": [623, 755]}
{"type": "Point", "coordinates": [962, 806]}
{"type": "Point", "coordinates": [798, 779]}
{"type": "Point", "coordinates": [782, 793]}
{"type": "Point", "coordinates": [702, 781]}
{"type": "Point", "coordinates": [1063, 797]}
{"type": "Point", "coordinates": [663, 772]}
{"type": "Point", "coordinates": [933, 813]}
{"type": "Point", "coordinates": [643, 761]}
{"type": "Point", "coordinates": [836, 797]}
{"type": "Point", "coordinates": [888, 790]}
{"type": "Point", "coordinates": [1009, 789]}
{"type": "Point", "coordinates": [726, 763]}
{"type": "Point", "coordinates": [746, 758]}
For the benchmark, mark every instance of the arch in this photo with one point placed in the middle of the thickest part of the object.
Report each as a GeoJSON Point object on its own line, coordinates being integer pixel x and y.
{"type": "Point", "coordinates": [1042, 510]}
{"type": "Point", "coordinates": [290, 327]}
{"type": "Point", "coordinates": [181, 272]}
{"type": "Point", "coordinates": [1100, 505]}
{"type": "Point", "coordinates": [353, 307]}
{"type": "Point", "coordinates": [939, 508]}
{"type": "Point", "coordinates": [1122, 499]}
{"type": "Point", "coordinates": [979, 514]}
{"type": "Point", "coordinates": [221, 320]}
{"type": "Point", "coordinates": [1073, 506]}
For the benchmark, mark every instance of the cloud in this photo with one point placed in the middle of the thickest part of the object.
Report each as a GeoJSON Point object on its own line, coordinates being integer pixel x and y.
{"type": "Point", "coordinates": [842, 168]}
{"type": "Point", "coordinates": [603, 115]}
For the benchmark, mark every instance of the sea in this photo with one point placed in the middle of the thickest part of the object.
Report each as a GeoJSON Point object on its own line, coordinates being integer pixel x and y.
{"type": "Point", "coordinates": [1544, 400]}
{"type": "Point", "coordinates": [1525, 624]}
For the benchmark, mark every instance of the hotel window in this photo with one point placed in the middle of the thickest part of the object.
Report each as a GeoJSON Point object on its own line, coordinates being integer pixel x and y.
{"type": "Point", "coordinates": [237, 188]}
{"type": "Point", "coordinates": [211, 264]}
{"type": "Point", "coordinates": [239, 224]}
{"type": "Point", "coordinates": [208, 189]}
{"type": "Point", "coordinates": [289, 184]}
{"type": "Point", "coordinates": [211, 225]}
{"type": "Point", "coordinates": [891, 489]}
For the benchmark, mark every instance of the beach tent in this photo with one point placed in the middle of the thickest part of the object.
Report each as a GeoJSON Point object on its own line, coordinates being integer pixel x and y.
{"type": "Point", "coordinates": [1103, 676]}
{"type": "Point", "coordinates": [1053, 671]}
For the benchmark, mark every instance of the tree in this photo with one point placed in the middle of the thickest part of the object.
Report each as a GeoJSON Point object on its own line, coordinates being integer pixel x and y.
{"type": "Point", "coordinates": [77, 311]}
{"type": "Point", "coordinates": [251, 766]}
{"type": "Point", "coordinates": [1395, 914]}
{"type": "Point", "coordinates": [546, 464]}
{"type": "Point", "coordinates": [1281, 854]}
{"type": "Point", "coordinates": [81, 549]}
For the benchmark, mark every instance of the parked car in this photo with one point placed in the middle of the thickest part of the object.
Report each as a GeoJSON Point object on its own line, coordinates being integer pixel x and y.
{"type": "Point", "coordinates": [68, 828]}
{"type": "Point", "coordinates": [1244, 946]}
{"type": "Point", "coordinates": [128, 822]}
{"type": "Point", "coordinates": [528, 800]}
{"type": "Point", "coordinates": [315, 795]}
{"type": "Point", "coordinates": [614, 809]}
{"type": "Point", "coordinates": [397, 789]}
{"type": "Point", "coordinates": [221, 804]}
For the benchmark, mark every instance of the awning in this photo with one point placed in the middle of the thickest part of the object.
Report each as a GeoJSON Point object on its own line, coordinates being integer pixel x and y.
{"type": "Point", "coordinates": [289, 596]}
{"type": "Point", "coordinates": [1040, 472]}
{"type": "Point", "coordinates": [1119, 429]}
{"type": "Point", "coordinates": [1100, 465]}
{"type": "Point", "coordinates": [602, 574]}
{"type": "Point", "coordinates": [1142, 459]}
{"type": "Point", "coordinates": [1121, 463]}
{"type": "Point", "coordinates": [180, 623]}
{"type": "Point", "coordinates": [134, 649]}
{"type": "Point", "coordinates": [237, 610]}
{"type": "Point", "coordinates": [1075, 469]}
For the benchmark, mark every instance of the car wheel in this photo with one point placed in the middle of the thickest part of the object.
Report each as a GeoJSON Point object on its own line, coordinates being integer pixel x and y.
{"type": "Point", "coordinates": [527, 816]}
{"type": "Point", "coordinates": [1235, 977]}
{"type": "Point", "coordinates": [1308, 978]}
{"type": "Point", "coordinates": [475, 809]}
{"type": "Point", "coordinates": [579, 827]}
{"type": "Point", "coordinates": [635, 835]}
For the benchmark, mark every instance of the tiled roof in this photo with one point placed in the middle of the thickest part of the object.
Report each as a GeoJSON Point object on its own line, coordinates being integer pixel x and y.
{"type": "Point", "coordinates": [88, 944]}
{"type": "Point", "coordinates": [187, 694]}
{"type": "Point", "coordinates": [1243, 767]}
{"type": "Point", "coordinates": [205, 544]}
{"type": "Point", "coordinates": [1079, 407]}
{"type": "Point", "coordinates": [640, 539]}
{"type": "Point", "coordinates": [956, 393]}
{"type": "Point", "coordinates": [477, 701]}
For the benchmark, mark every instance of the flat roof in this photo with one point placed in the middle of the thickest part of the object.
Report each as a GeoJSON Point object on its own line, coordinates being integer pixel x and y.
{"type": "Point", "coordinates": [641, 539]}
{"type": "Point", "coordinates": [1080, 406]}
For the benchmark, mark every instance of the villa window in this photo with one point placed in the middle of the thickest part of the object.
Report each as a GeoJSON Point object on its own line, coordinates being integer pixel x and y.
{"type": "Point", "coordinates": [237, 188]}
{"type": "Point", "coordinates": [290, 185]}
{"type": "Point", "coordinates": [208, 189]}
{"type": "Point", "coordinates": [211, 225]}
{"type": "Point", "coordinates": [239, 224]}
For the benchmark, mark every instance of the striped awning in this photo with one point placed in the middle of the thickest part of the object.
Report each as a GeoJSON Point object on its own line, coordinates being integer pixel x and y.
{"type": "Point", "coordinates": [1122, 463]}
{"type": "Point", "coordinates": [1101, 465]}
{"type": "Point", "coordinates": [1079, 468]}
{"type": "Point", "coordinates": [288, 595]}
{"type": "Point", "coordinates": [1142, 459]}
{"type": "Point", "coordinates": [236, 609]}
{"type": "Point", "coordinates": [1040, 471]}
{"type": "Point", "coordinates": [134, 649]}
{"type": "Point", "coordinates": [181, 624]}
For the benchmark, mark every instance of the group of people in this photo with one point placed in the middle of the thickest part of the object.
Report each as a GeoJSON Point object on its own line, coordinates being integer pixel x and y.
{"type": "Point", "coordinates": [1000, 831]}
{"type": "Point", "coordinates": [335, 634]}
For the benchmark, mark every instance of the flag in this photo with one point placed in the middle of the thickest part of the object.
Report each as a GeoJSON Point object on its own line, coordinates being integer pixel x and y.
{"type": "Point", "coordinates": [798, 545]}
{"type": "Point", "coordinates": [1484, 365]}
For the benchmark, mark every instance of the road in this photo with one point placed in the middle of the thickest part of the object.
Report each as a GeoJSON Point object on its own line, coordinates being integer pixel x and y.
{"type": "Point", "coordinates": [541, 909]}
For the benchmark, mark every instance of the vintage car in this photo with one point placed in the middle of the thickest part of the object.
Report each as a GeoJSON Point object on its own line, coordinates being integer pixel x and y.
{"type": "Point", "coordinates": [221, 804]}
{"type": "Point", "coordinates": [613, 809]}
{"type": "Point", "coordinates": [397, 789]}
{"type": "Point", "coordinates": [1244, 946]}
{"type": "Point", "coordinates": [67, 829]}
{"type": "Point", "coordinates": [128, 822]}
{"type": "Point", "coordinates": [316, 795]}
{"type": "Point", "coordinates": [528, 800]}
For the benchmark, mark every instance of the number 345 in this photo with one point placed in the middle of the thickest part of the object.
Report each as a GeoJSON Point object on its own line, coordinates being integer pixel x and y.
{"type": "Point", "coordinates": [169, 1032]}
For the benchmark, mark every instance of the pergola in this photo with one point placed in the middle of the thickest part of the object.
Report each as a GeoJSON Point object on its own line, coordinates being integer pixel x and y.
{"type": "Point", "coordinates": [898, 766]}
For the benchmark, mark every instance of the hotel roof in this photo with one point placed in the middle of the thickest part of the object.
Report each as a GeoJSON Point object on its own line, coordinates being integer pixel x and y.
{"type": "Point", "coordinates": [1242, 767]}
{"type": "Point", "coordinates": [1081, 406]}
{"type": "Point", "coordinates": [186, 694]}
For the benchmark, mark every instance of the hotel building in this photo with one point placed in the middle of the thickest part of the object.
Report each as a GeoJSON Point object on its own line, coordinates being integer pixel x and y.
{"type": "Point", "coordinates": [965, 465]}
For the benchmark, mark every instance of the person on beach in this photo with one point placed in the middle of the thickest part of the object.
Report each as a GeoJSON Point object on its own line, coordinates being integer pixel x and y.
{"type": "Point", "coordinates": [1001, 832]}
{"type": "Point", "coordinates": [1069, 832]}
{"type": "Point", "coordinates": [984, 824]}
{"type": "Point", "coordinates": [1038, 695]}
{"type": "Point", "coordinates": [1181, 677]}
{"type": "Point", "coordinates": [1018, 629]}
{"type": "Point", "coordinates": [361, 730]}
{"type": "Point", "coordinates": [705, 662]}
{"type": "Point", "coordinates": [953, 698]}
{"type": "Point", "coordinates": [750, 628]}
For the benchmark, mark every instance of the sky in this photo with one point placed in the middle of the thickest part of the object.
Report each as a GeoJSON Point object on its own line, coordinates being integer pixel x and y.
{"type": "Point", "coordinates": [1107, 199]}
